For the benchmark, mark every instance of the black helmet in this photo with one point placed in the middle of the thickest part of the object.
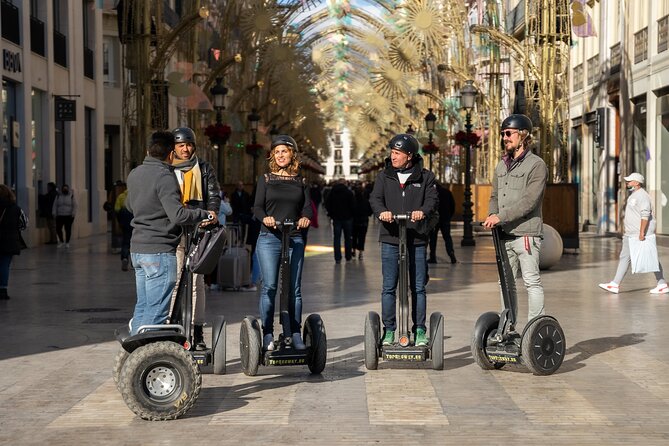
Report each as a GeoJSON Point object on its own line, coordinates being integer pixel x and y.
{"type": "Point", "coordinates": [284, 140]}
{"type": "Point", "coordinates": [518, 122]}
{"type": "Point", "coordinates": [183, 134]}
{"type": "Point", "coordinates": [404, 143]}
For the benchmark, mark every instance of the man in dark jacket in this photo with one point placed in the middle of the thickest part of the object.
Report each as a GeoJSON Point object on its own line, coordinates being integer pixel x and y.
{"type": "Point", "coordinates": [200, 190]}
{"type": "Point", "coordinates": [155, 201]}
{"type": "Point", "coordinates": [339, 205]}
{"type": "Point", "coordinates": [404, 187]}
{"type": "Point", "coordinates": [446, 211]}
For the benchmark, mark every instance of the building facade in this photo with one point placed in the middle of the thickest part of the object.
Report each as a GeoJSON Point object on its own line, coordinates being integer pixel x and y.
{"type": "Point", "coordinates": [52, 110]}
{"type": "Point", "coordinates": [619, 108]}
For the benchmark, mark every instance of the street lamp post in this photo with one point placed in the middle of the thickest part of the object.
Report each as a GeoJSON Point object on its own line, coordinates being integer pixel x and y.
{"type": "Point", "coordinates": [430, 121]}
{"type": "Point", "coordinates": [468, 93]}
{"type": "Point", "coordinates": [253, 119]}
{"type": "Point", "coordinates": [218, 92]}
{"type": "Point", "coordinates": [410, 130]}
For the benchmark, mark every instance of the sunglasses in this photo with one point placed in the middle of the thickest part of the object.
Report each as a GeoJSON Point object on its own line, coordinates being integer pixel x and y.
{"type": "Point", "coordinates": [508, 133]}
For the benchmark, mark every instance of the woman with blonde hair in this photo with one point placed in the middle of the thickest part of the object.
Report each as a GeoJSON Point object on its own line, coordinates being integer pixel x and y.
{"type": "Point", "coordinates": [282, 194]}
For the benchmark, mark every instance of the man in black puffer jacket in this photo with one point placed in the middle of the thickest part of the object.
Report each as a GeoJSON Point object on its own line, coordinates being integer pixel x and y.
{"type": "Point", "coordinates": [199, 190]}
{"type": "Point", "coordinates": [404, 187]}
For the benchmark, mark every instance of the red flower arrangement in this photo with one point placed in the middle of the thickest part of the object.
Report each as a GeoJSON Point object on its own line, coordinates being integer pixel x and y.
{"type": "Point", "coordinates": [430, 148]}
{"type": "Point", "coordinates": [254, 149]}
{"type": "Point", "coordinates": [218, 133]}
{"type": "Point", "coordinates": [463, 138]}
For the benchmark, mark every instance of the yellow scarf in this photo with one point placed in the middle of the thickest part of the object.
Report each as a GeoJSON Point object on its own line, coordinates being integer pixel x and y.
{"type": "Point", "coordinates": [191, 184]}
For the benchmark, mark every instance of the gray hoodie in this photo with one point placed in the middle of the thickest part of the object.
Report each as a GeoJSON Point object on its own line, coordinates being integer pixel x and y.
{"type": "Point", "coordinates": [154, 199]}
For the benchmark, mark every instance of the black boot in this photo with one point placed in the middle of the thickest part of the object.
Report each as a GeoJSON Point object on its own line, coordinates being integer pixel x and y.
{"type": "Point", "coordinates": [452, 256]}
{"type": "Point", "coordinates": [198, 337]}
{"type": "Point", "coordinates": [3, 294]}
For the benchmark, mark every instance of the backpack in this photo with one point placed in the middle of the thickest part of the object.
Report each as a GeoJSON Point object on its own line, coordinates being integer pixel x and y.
{"type": "Point", "coordinates": [206, 247]}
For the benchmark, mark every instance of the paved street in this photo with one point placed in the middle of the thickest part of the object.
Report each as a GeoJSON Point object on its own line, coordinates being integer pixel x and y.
{"type": "Point", "coordinates": [613, 387]}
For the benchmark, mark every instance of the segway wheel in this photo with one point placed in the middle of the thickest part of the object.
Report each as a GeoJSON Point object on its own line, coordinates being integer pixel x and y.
{"type": "Point", "coordinates": [372, 335]}
{"type": "Point", "coordinates": [317, 344]}
{"type": "Point", "coordinates": [437, 340]}
{"type": "Point", "coordinates": [218, 345]}
{"type": "Point", "coordinates": [160, 381]}
{"type": "Point", "coordinates": [485, 326]}
{"type": "Point", "coordinates": [543, 346]}
{"type": "Point", "coordinates": [119, 360]}
{"type": "Point", "coordinates": [249, 346]}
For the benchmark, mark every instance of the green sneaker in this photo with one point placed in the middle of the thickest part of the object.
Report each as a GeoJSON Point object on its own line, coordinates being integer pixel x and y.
{"type": "Point", "coordinates": [389, 337]}
{"type": "Point", "coordinates": [421, 339]}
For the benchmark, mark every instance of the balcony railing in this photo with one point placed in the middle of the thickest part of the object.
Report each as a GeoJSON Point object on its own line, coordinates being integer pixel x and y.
{"type": "Point", "coordinates": [60, 48]}
{"type": "Point", "coordinates": [89, 63]}
{"type": "Point", "coordinates": [10, 22]}
{"type": "Point", "coordinates": [37, 44]}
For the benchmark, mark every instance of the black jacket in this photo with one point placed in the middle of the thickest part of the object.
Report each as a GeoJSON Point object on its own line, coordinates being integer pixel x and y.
{"type": "Point", "coordinates": [212, 193]}
{"type": "Point", "coordinates": [340, 202]}
{"type": "Point", "coordinates": [419, 194]}
{"type": "Point", "coordinates": [10, 242]}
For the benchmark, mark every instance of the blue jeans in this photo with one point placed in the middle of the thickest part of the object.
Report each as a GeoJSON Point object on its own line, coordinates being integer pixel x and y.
{"type": "Point", "coordinates": [268, 251]}
{"type": "Point", "coordinates": [347, 227]}
{"type": "Point", "coordinates": [417, 276]}
{"type": "Point", "coordinates": [155, 277]}
{"type": "Point", "coordinates": [5, 263]}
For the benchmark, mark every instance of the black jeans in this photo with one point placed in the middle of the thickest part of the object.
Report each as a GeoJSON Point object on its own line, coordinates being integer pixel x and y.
{"type": "Point", "coordinates": [64, 221]}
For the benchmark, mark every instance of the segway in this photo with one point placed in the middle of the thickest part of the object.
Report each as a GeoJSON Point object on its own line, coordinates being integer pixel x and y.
{"type": "Point", "coordinates": [158, 370]}
{"type": "Point", "coordinates": [540, 347]}
{"type": "Point", "coordinates": [284, 353]}
{"type": "Point", "coordinates": [403, 350]}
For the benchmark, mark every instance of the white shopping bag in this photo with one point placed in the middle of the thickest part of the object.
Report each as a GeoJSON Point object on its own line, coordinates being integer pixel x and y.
{"type": "Point", "coordinates": [644, 255]}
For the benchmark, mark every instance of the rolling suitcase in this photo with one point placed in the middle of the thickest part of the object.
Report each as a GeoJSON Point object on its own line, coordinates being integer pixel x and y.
{"type": "Point", "coordinates": [234, 265]}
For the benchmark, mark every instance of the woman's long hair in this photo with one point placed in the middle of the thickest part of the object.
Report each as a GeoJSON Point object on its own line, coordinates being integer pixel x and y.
{"type": "Point", "coordinates": [294, 166]}
{"type": "Point", "coordinates": [7, 195]}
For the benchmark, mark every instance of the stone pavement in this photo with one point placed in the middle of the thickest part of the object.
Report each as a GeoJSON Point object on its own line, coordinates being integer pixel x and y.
{"type": "Point", "coordinates": [613, 387]}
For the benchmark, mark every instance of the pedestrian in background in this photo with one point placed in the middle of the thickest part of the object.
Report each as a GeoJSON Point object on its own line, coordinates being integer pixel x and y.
{"type": "Point", "coordinates": [639, 223]}
{"type": "Point", "coordinates": [446, 211]}
{"type": "Point", "coordinates": [361, 214]}
{"type": "Point", "coordinates": [12, 222]}
{"type": "Point", "coordinates": [46, 211]}
{"type": "Point", "coordinates": [339, 204]}
{"type": "Point", "coordinates": [124, 218]}
{"type": "Point", "coordinates": [64, 209]}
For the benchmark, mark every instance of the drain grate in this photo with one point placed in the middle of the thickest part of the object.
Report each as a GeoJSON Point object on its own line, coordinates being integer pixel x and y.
{"type": "Point", "coordinates": [106, 320]}
{"type": "Point", "coordinates": [92, 310]}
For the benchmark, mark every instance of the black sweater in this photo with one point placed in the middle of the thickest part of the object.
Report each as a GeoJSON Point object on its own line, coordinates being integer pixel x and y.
{"type": "Point", "coordinates": [282, 197]}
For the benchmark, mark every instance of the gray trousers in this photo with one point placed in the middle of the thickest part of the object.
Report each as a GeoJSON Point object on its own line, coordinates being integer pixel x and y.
{"type": "Point", "coordinates": [527, 260]}
{"type": "Point", "coordinates": [198, 287]}
{"type": "Point", "coordinates": [624, 264]}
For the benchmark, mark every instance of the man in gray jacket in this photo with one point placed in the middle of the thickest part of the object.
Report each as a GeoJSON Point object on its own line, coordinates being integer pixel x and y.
{"type": "Point", "coordinates": [154, 199]}
{"type": "Point", "coordinates": [515, 203]}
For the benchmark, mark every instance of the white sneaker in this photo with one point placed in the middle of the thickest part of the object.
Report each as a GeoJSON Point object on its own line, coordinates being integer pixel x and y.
{"type": "Point", "coordinates": [61, 244]}
{"type": "Point", "coordinates": [660, 289]}
{"type": "Point", "coordinates": [610, 287]}
{"type": "Point", "coordinates": [67, 245]}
